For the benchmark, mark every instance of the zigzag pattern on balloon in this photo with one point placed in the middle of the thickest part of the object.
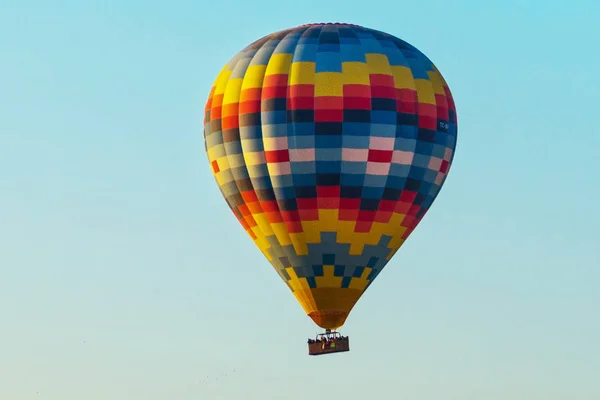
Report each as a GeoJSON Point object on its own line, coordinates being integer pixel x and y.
{"type": "Point", "coordinates": [330, 142]}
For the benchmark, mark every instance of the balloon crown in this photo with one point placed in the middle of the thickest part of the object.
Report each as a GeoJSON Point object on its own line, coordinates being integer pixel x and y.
{"type": "Point", "coordinates": [330, 23]}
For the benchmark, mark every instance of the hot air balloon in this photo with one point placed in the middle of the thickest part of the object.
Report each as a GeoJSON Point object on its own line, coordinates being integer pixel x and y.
{"type": "Point", "coordinates": [329, 142]}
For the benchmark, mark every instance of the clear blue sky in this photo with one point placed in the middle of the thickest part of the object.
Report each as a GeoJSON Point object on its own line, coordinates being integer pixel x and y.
{"type": "Point", "coordinates": [123, 275]}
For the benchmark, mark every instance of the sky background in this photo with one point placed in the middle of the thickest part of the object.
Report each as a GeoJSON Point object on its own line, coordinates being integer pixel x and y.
{"type": "Point", "coordinates": [123, 274]}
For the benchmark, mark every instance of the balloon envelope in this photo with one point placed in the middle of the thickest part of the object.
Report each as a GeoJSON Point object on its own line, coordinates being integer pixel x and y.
{"type": "Point", "coordinates": [329, 143]}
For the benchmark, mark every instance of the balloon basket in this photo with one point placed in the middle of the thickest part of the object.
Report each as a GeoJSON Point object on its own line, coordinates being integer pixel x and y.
{"type": "Point", "coordinates": [327, 343]}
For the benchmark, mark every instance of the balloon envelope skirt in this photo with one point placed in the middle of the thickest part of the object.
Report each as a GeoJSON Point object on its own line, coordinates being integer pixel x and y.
{"type": "Point", "coordinates": [329, 143]}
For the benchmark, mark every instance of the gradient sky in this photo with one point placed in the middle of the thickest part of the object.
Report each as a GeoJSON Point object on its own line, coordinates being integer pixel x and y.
{"type": "Point", "coordinates": [123, 274]}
